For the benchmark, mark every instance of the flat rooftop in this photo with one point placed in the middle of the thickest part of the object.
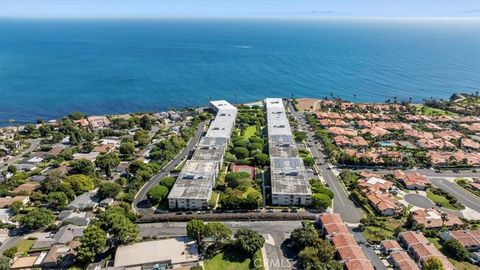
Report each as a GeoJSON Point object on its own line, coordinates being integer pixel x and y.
{"type": "Point", "coordinates": [282, 146]}
{"type": "Point", "coordinates": [222, 125]}
{"type": "Point", "coordinates": [288, 173]}
{"type": "Point", "coordinates": [222, 105]}
{"type": "Point", "coordinates": [175, 251]}
{"type": "Point", "coordinates": [195, 180]}
{"type": "Point", "coordinates": [210, 148]}
{"type": "Point", "coordinates": [197, 177]}
{"type": "Point", "coordinates": [289, 176]}
{"type": "Point", "coordinates": [199, 169]}
{"type": "Point", "coordinates": [277, 121]}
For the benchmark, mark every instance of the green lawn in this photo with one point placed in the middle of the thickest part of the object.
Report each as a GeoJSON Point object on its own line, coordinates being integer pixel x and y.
{"type": "Point", "coordinates": [24, 245]}
{"type": "Point", "coordinates": [441, 200]}
{"type": "Point", "coordinates": [381, 228]}
{"type": "Point", "coordinates": [429, 111]}
{"type": "Point", "coordinates": [228, 260]}
{"type": "Point", "coordinates": [249, 132]}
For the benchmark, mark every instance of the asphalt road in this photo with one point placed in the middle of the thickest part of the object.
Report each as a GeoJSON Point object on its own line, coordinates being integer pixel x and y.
{"type": "Point", "coordinates": [9, 242]}
{"type": "Point", "coordinates": [430, 172]}
{"type": "Point", "coordinates": [342, 205]}
{"type": "Point", "coordinates": [141, 204]}
{"type": "Point", "coordinates": [33, 145]}
{"type": "Point", "coordinates": [275, 233]}
{"type": "Point", "coordinates": [424, 202]}
{"type": "Point", "coordinates": [369, 251]}
{"type": "Point", "coordinates": [466, 198]}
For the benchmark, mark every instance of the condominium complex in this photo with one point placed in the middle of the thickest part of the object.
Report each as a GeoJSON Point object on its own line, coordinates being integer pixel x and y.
{"type": "Point", "coordinates": [193, 187]}
{"type": "Point", "coordinates": [290, 184]}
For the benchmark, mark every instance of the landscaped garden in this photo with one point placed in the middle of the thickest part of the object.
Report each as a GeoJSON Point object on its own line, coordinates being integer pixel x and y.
{"type": "Point", "coordinates": [231, 259]}
{"type": "Point", "coordinates": [444, 199]}
{"type": "Point", "coordinates": [464, 183]}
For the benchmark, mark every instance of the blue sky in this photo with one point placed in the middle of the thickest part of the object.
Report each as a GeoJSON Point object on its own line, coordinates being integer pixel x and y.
{"type": "Point", "coordinates": [236, 9]}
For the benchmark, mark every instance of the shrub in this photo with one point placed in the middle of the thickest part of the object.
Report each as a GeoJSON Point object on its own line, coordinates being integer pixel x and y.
{"type": "Point", "coordinates": [156, 194]}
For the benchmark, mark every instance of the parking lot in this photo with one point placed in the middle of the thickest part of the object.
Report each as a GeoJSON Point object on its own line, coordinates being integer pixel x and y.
{"type": "Point", "coordinates": [275, 233]}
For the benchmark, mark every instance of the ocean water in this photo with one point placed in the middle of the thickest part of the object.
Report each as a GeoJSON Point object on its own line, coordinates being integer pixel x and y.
{"type": "Point", "coordinates": [49, 68]}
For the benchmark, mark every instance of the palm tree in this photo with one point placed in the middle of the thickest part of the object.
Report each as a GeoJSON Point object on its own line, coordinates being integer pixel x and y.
{"type": "Point", "coordinates": [444, 217]}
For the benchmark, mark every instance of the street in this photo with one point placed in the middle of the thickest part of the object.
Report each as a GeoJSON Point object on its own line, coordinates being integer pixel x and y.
{"type": "Point", "coordinates": [33, 145]}
{"type": "Point", "coordinates": [140, 203]}
{"type": "Point", "coordinates": [465, 197]}
{"type": "Point", "coordinates": [342, 205]}
{"type": "Point", "coordinates": [350, 213]}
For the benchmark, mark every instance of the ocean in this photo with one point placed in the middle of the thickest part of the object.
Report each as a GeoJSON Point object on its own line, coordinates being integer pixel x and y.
{"type": "Point", "coordinates": [49, 68]}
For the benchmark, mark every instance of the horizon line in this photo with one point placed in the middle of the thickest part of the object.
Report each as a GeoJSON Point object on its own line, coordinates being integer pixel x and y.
{"type": "Point", "coordinates": [249, 17]}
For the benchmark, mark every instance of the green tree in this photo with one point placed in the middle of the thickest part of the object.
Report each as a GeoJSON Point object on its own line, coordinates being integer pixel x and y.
{"type": "Point", "coordinates": [12, 169]}
{"type": "Point", "coordinates": [321, 201]}
{"type": "Point", "coordinates": [236, 179]}
{"type": "Point", "coordinates": [457, 250]}
{"type": "Point", "coordinates": [308, 259]}
{"type": "Point", "coordinates": [107, 162]}
{"type": "Point", "coordinates": [29, 129]}
{"type": "Point", "coordinates": [261, 159]}
{"type": "Point", "coordinates": [218, 232]}
{"type": "Point", "coordinates": [124, 230]}
{"type": "Point", "coordinates": [80, 183]}
{"type": "Point", "coordinates": [241, 152]}
{"type": "Point", "coordinates": [93, 242]}
{"type": "Point", "coordinates": [109, 190]}
{"type": "Point", "coordinates": [304, 237]}
{"type": "Point", "coordinates": [196, 230]}
{"type": "Point", "coordinates": [53, 181]}
{"type": "Point", "coordinates": [117, 221]}
{"type": "Point", "coordinates": [168, 181]}
{"type": "Point", "coordinates": [37, 218]}
{"type": "Point", "coordinates": [16, 207]}
{"type": "Point", "coordinates": [45, 130]}
{"type": "Point", "coordinates": [76, 115]}
{"type": "Point", "coordinates": [4, 263]}
{"type": "Point", "coordinates": [146, 122]}
{"type": "Point", "coordinates": [127, 149]}
{"type": "Point", "coordinates": [157, 194]}
{"type": "Point", "coordinates": [10, 252]}
{"type": "Point", "coordinates": [308, 161]}
{"type": "Point", "coordinates": [299, 136]}
{"type": "Point", "coordinates": [433, 263]}
{"type": "Point", "coordinates": [249, 241]}
{"type": "Point", "coordinates": [83, 166]}
{"type": "Point", "coordinates": [57, 199]}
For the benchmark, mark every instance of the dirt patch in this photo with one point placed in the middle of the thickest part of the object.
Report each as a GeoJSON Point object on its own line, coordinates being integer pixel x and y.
{"type": "Point", "coordinates": [308, 104]}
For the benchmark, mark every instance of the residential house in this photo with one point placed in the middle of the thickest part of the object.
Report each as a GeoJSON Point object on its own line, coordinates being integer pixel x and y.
{"type": "Point", "coordinates": [431, 218]}
{"type": "Point", "coordinates": [470, 239]}
{"type": "Point", "coordinates": [98, 122]}
{"type": "Point", "coordinates": [413, 181]}
{"type": "Point", "coordinates": [88, 200]}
